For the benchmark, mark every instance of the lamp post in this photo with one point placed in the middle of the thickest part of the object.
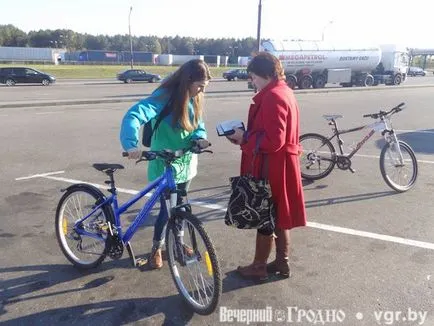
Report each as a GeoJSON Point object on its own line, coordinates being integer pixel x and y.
{"type": "Point", "coordinates": [258, 37]}
{"type": "Point", "coordinates": [323, 30]}
{"type": "Point", "coordinates": [131, 40]}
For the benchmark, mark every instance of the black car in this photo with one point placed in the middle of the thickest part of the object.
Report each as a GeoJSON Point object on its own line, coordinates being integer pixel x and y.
{"type": "Point", "coordinates": [17, 75]}
{"type": "Point", "coordinates": [131, 75]}
{"type": "Point", "coordinates": [236, 74]}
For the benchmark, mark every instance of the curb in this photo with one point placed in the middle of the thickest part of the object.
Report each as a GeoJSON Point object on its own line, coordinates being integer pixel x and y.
{"type": "Point", "coordinates": [245, 93]}
{"type": "Point", "coordinates": [360, 89]}
{"type": "Point", "coordinates": [104, 100]}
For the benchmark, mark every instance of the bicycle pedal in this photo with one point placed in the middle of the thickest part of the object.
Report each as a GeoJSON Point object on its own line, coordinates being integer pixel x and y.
{"type": "Point", "coordinates": [102, 226]}
{"type": "Point", "coordinates": [140, 262]}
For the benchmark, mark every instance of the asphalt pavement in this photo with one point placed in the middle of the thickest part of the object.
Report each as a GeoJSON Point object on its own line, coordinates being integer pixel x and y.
{"type": "Point", "coordinates": [365, 258]}
{"type": "Point", "coordinates": [112, 91]}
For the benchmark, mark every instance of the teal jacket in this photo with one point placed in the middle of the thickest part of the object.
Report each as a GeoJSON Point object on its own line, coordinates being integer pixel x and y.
{"type": "Point", "coordinates": [165, 137]}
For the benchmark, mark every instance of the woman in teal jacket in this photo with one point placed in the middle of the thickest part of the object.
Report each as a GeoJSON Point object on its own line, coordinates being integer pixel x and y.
{"type": "Point", "coordinates": [182, 92]}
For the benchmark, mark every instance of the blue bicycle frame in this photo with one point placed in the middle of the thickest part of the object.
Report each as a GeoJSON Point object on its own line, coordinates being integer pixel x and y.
{"type": "Point", "coordinates": [162, 184]}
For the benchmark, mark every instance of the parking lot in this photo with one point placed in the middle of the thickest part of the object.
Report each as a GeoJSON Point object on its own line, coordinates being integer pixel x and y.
{"type": "Point", "coordinates": [366, 254]}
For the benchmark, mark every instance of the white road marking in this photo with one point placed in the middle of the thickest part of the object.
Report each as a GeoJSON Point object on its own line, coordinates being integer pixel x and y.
{"type": "Point", "coordinates": [205, 204]}
{"type": "Point", "coordinates": [383, 237]}
{"type": "Point", "coordinates": [73, 181]}
{"type": "Point", "coordinates": [415, 131]}
{"type": "Point", "coordinates": [39, 175]}
{"type": "Point", "coordinates": [49, 112]}
{"type": "Point", "coordinates": [378, 157]}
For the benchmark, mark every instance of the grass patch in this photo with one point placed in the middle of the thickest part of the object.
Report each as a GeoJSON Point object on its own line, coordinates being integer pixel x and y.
{"type": "Point", "coordinates": [104, 71]}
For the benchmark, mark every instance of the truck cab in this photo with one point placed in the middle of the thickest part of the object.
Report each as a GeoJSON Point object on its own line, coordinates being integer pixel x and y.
{"type": "Point", "coordinates": [394, 64]}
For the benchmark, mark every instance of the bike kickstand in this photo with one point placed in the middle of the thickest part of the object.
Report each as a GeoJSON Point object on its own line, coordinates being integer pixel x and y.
{"type": "Point", "coordinates": [137, 262]}
{"type": "Point", "coordinates": [352, 170]}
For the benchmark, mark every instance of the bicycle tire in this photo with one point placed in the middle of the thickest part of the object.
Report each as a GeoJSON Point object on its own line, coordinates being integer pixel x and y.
{"type": "Point", "coordinates": [387, 179]}
{"type": "Point", "coordinates": [97, 195]}
{"type": "Point", "coordinates": [212, 260]}
{"type": "Point", "coordinates": [304, 165]}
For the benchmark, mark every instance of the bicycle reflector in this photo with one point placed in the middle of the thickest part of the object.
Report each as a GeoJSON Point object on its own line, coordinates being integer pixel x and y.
{"type": "Point", "coordinates": [208, 264]}
{"type": "Point", "coordinates": [65, 226]}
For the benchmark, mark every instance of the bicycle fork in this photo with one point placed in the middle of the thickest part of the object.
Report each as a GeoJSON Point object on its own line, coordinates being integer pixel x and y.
{"type": "Point", "coordinates": [392, 140]}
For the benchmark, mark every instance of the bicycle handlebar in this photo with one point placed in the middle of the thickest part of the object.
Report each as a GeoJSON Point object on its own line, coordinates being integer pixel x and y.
{"type": "Point", "coordinates": [381, 114]}
{"type": "Point", "coordinates": [197, 146]}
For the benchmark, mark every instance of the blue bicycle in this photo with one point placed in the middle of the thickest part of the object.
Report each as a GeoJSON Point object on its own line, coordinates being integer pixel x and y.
{"type": "Point", "coordinates": [88, 228]}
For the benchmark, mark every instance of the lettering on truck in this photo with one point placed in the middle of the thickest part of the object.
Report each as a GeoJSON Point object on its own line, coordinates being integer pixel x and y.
{"type": "Point", "coordinates": [302, 57]}
{"type": "Point", "coordinates": [354, 58]}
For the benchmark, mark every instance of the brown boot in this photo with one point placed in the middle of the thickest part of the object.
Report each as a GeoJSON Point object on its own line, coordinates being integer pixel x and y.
{"type": "Point", "coordinates": [258, 269]}
{"type": "Point", "coordinates": [156, 261]}
{"type": "Point", "coordinates": [281, 264]}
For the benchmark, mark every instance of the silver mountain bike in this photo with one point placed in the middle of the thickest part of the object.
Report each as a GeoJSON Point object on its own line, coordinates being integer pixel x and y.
{"type": "Point", "coordinates": [398, 164]}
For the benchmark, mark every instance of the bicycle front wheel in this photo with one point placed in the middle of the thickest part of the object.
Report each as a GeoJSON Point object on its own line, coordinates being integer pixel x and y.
{"type": "Point", "coordinates": [318, 156]}
{"type": "Point", "coordinates": [400, 173]}
{"type": "Point", "coordinates": [84, 244]}
{"type": "Point", "coordinates": [193, 263]}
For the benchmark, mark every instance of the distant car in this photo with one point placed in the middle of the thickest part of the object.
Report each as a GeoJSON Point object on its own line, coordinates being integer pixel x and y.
{"type": "Point", "coordinates": [17, 75]}
{"type": "Point", "coordinates": [167, 77]}
{"type": "Point", "coordinates": [131, 75]}
{"type": "Point", "coordinates": [236, 74]}
{"type": "Point", "coordinates": [416, 71]}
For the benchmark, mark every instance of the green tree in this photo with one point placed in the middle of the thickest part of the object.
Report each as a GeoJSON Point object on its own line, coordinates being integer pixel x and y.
{"type": "Point", "coordinates": [119, 43]}
{"type": "Point", "coordinates": [12, 36]}
{"type": "Point", "coordinates": [155, 45]}
{"type": "Point", "coordinates": [65, 38]}
{"type": "Point", "coordinates": [40, 39]}
{"type": "Point", "coordinates": [99, 42]}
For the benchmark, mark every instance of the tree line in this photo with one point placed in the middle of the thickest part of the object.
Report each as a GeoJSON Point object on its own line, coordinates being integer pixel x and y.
{"type": "Point", "coordinates": [72, 41]}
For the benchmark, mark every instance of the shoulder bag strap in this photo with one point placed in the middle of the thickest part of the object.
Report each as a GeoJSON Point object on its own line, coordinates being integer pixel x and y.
{"type": "Point", "coordinates": [164, 113]}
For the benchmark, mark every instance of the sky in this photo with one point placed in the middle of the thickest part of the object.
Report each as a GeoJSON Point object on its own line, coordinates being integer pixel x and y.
{"type": "Point", "coordinates": [356, 21]}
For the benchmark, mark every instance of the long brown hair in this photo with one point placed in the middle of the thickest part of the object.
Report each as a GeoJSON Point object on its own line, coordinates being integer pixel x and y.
{"type": "Point", "coordinates": [177, 87]}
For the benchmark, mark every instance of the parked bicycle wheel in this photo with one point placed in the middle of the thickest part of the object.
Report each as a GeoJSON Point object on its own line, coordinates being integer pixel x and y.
{"type": "Point", "coordinates": [193, 263]}
{"type": "Point", "coordinates": [399, 174]}
{"type": "Point", "coordinates": [317, 159]}
{"type": "Point", "coordinates": [83, 245]}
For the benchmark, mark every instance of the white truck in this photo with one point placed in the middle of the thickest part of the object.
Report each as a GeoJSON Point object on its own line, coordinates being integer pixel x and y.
{"type": "Point", "coordinates": [315, 64]}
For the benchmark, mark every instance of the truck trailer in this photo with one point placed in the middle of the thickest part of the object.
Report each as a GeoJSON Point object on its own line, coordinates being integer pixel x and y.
{"type": "Point", "coordinates": [314, 64]}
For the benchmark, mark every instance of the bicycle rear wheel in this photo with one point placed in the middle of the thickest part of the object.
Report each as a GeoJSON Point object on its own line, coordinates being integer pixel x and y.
{"type": "Point", "coordinates": [318, 157]}
{"type": "Point", "coordinates": [400, 175]}
{"type": "Point", "coordinates": [84, 245]}
{"type": "Point", "coordinates": [193, 263]}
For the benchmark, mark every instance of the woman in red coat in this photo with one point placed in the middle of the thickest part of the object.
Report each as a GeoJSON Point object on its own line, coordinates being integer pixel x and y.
{"type": "Point", "coordinates": [274, 117]}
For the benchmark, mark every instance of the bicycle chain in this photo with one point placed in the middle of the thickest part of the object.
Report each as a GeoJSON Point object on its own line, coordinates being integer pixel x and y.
{"type": "Point", "coordinates": [115, 247]}
{"type": "Point", "coordinates": [343, 163]}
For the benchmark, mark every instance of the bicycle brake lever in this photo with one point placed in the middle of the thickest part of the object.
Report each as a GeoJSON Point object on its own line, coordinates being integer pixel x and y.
{"type": "Point", "coordinates": [142, 159]}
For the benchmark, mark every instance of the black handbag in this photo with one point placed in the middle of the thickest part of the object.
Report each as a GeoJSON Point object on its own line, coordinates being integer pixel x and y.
{"type": "Point", "coordinates": [250, 204]}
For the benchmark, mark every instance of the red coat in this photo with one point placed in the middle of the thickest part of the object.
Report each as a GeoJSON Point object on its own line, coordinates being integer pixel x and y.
{"type": "Point", "coordinates": [275, 114]}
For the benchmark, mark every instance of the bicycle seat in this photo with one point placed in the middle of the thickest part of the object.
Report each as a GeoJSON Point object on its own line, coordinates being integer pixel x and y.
{"type": "Point", "coordinates": [104, 167]}
{"type": "Point", "coordinates": [332, 116]}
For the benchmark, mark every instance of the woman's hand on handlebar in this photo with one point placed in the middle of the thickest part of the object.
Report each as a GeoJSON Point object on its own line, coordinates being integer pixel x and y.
{"type": "Point", "coordinates": [134, 154]}
{"type": "Point", "coordinates": [198, 145]}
